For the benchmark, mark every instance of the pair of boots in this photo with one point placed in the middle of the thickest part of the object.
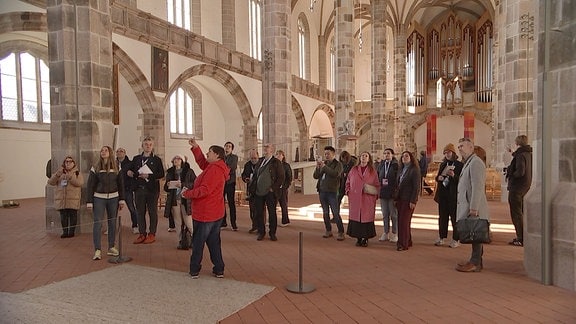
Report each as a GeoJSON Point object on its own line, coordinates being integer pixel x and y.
{"type": "Point", "coordinates": [68, 225]}
{"type": "Point", "coordinates": [67, 232]}
{"type": "Point", "coordinates": [362, 242]}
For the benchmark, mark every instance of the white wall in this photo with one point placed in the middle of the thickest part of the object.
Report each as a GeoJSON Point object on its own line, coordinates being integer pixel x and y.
{"type": "Point", "coordinates": [23, 166]}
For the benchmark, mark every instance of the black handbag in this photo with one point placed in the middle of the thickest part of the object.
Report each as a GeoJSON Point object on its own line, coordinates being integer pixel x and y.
{"type": "Point", "coordinates": [473, 230]}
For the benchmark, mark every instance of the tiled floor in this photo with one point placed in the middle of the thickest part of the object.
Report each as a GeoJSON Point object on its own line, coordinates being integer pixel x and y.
{"type": "Point", "coordinates": [352, 284]}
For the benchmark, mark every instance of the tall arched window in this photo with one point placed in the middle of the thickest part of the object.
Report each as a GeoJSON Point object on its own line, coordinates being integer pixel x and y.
{"type": "Point", "coordinates": [255, 17]}
{"type": "Point", "coordinates": [24, 85]}
{"type": "Point", "coordinates": [186, 111]}
{"type": "Point", "coordinates": [179, 13]}
{"type": "Point", "coordinates": [303, 48]}
{"type": "Point", "coordinates": [332, 65]}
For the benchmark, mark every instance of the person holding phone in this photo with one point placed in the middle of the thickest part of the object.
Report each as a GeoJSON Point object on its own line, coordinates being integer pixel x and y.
{"type": "Point", "coordinates": [68, 181]}
{"type": "Point", "coordinates": [446, 195]}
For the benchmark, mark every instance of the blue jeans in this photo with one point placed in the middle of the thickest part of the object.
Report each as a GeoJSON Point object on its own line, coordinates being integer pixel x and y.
{"type": "Point", "coordinates": [329, 200]}
{"type": "Point", "coordinates": [389, 212]}
{"type": "Point", "coordinates": [129, 199]}
{"type": "Point", "coordinates": [206, 233]}
{"type": "Point", "coordinates": [111, 207]}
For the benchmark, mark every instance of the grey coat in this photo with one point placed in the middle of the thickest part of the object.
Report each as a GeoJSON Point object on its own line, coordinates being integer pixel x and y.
{"type": "Point", "coordinates": [472, 189]}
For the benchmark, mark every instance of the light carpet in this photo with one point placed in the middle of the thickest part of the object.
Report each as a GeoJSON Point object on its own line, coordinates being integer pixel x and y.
{"type": "Point", "coordinates": [131, 294]}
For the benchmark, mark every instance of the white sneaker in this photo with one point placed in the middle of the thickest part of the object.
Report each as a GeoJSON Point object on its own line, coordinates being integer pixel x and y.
{"type": "Point", "coordinates": [439, 242]}
{"type": "Point", "coordinates": [394, 238]}
{"type": "Point", "coordinates": [454, 244]}
{"type": "Point", "coordinates": [113, 251]}
{"type": "Point", "coordinates": [384, 237]}
{"type": "Point", "coordinates": [135, 230]}
{"type": "Point", "coordinates": [97, 255]}
{"type": "Point", "coordinates": [170, 229]}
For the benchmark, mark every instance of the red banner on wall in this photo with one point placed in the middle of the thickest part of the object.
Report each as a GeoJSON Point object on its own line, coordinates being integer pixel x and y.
{"type": "Point", "coordinates": [469, 125]}
{"type": "Point", "coordinates": [430, 135]}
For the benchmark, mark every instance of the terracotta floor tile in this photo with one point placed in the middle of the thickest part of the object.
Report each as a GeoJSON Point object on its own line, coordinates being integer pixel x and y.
{"type": "Point", "coordinates": [376, 284]}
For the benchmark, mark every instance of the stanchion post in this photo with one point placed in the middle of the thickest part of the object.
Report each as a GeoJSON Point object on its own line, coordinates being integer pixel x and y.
{"type": "Point", "coordinates": [300, 287]}
{"type": "Point", "coordinates": [120, 258]}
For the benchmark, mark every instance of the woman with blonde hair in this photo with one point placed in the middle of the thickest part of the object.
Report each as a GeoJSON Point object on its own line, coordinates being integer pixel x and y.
{"type": "Point", "coordinates": [68, 181]}
{"type": "Point", "coordinates": [105, 193]}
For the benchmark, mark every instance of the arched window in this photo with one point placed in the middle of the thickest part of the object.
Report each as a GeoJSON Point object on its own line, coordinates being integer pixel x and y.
{"type": "Point", "coordinates": [332, 65]}
{"type": "Point", "coordinates": [255, 17]}
{"type": "Point", "coordinates": [179, 13]}
{"type": "Point", "coordinates": [303, 48]}
{"type": "Point", "coordinates": [186, 112]}
{"type": "Point", "coordinates": [25, 89]}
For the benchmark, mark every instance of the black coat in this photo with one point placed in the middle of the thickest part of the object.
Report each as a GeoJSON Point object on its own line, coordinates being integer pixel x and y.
{"type": "Point", "coordinates": [187, 177]}
{"type": "Point", "coordinates": [387, 192]}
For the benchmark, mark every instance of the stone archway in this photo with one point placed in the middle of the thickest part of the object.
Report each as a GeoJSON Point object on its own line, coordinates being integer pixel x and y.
{"type": "Point", "coordinates": [229, 83]}
{"type": "Point", "coordinates": [304, 141]}
{"type": "Point", "coordinates": [152, 112]}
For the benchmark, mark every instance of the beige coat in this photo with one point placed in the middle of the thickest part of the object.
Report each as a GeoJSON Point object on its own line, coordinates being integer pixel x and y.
{"type": "Point", "coordinates": [472, 189]}
{"type": "Point", "coordinates": [67, 197]}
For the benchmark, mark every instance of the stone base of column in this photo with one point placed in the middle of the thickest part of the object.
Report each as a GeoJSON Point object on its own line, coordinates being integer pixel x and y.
{"type": "Point", "coordinates": [563, 235]}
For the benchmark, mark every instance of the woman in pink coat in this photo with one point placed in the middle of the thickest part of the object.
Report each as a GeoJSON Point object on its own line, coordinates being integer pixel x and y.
{"type": "Point", "coordinates": [362, 188]}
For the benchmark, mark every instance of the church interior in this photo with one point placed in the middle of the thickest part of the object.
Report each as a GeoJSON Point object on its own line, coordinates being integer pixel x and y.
{"type": "Point", "coordinates": [360, 75]}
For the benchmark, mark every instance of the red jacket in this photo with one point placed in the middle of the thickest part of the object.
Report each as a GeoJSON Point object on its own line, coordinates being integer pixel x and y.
{"type": "Point", "coordinates": [207, 194]}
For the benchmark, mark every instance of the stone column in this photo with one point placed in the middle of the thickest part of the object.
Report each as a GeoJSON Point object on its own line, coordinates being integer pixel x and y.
{"type": "Point", "coordinates": [80, 61]}
{"type": "Point", "coordinates": [403, 137]}
{"type": "Point", "coordinates": [378, 119]}
{"type": "Point", "coordinates": [276, 73]}
{"type": "Point", "coordinates": [514, 100]}
{"type": "Point", "coordinates": [558, 104]}
{"type": "Point", "coordinates": [345, 131]}
{"type": "Point", "coordinates": [229, 24]}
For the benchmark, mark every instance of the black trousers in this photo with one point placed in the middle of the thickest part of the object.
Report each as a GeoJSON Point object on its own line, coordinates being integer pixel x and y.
{"type": "Point", "coordinates": [68, 220]}
{"type": "Point", "coordinates": [229, 193]}
{"type": "Point", "coordinates": [516, 202]}
{"type": "Point", "coordinates": [147, 200]}
{"type": "Point", "coordinates": [447, 211]}
{"type": "Point", "coordinates": [283, 202]}
{"type": "Point", "coordinates": [270, 201]}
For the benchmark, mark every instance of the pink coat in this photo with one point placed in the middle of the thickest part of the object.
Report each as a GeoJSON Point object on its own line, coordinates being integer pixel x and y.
{"type": "Point", "coordinates": [362, 205]}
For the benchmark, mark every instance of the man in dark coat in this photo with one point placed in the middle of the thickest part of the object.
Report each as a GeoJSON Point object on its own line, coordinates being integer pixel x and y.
{"type": "Point", "coordinates": [519, 176]}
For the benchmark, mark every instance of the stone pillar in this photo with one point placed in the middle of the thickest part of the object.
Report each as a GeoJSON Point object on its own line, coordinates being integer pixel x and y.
{"type": "Point", "coordinates": [345, 131]}
{"type": "Point", "coordinates": [229, 24]}
{"type": "Point", "coordinates": [80, 61]}
{"type": "Point", "coordinates": [561, 75]}
{"type": "Point", "coordinates": [276, 73]}
{"type": "Point", "coordinates": [514, 100]}
{"type": "Point", "coordinates": [403, 137]}
{"type": "Point", "coordinates": [378, 119]}
{"type": "Point", "coordinates": [323, 75]}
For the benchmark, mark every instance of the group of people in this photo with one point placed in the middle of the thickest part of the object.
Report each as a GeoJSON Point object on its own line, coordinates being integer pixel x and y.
{"type": "Point", "coordinates": [396, 185]}
{"type": "Point", "coordinates": [196, 203]}
{"type": "Point", "coordinates": [113, 183]}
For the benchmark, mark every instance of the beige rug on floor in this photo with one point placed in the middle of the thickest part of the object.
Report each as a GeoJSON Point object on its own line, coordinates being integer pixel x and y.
{"type": "Point", "coordinates": [131, 294]}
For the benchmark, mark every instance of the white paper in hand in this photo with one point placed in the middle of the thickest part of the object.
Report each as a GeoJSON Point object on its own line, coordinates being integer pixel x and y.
{"type": "Point", "coordinates": [145, 170]}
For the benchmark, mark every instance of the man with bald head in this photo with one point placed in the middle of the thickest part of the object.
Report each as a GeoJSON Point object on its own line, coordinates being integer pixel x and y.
{"type": "Point", "coordinates": [265, 189]}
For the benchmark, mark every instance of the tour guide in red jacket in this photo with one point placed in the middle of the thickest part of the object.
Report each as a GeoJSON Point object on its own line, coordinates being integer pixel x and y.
{"type": "Point", "coordinates": [207, 207]}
